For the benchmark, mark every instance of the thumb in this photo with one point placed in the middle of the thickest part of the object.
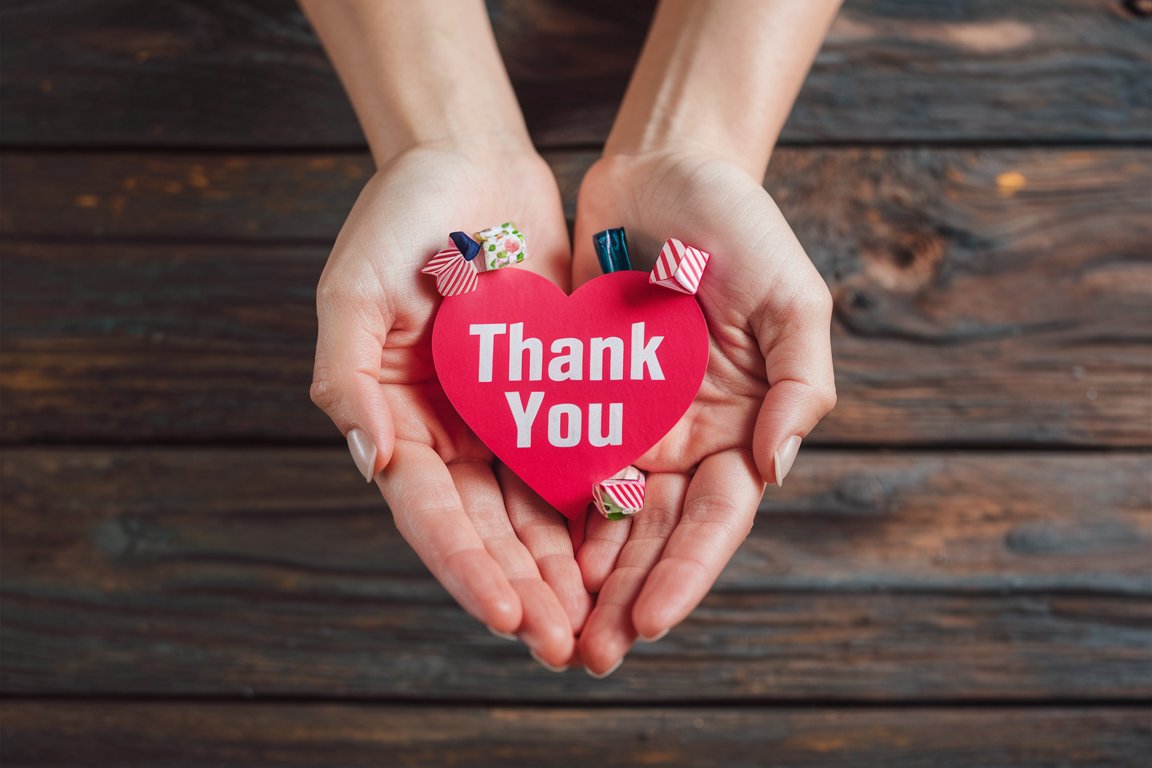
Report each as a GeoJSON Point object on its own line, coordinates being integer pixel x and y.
{"type": "Point", "coordinates": [802, 388]}
{"type": "Point", "coordinates": [346, 385]}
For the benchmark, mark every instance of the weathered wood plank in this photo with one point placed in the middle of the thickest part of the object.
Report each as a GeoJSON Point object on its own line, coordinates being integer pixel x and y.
{"type": "Point", "coordinates": [223, 635]}
{"type": "Point", "coordinates": [130, 72]}
{"type": "Point", "coordinates": [832, 197]}
{"type": "Point", "coordinates": [192, 734]}
{"type": "Point", "coordinates": [846, 519]}
{"type": "Point", "coordinates": [982, 296]}
{"type": "Point", "coordinates": [232, 572]}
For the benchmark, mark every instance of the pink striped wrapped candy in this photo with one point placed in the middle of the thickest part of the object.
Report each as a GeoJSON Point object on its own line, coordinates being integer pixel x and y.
{"type": "Point", "coordinates": [679, 267]}
{"type": "Point", "coordinates": [454, 274]}
{"type": "Point", "coordinates": [621, 495]}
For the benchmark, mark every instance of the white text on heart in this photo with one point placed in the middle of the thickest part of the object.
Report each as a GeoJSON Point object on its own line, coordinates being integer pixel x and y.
{"type": "Point", "coordinates": [567, 362]}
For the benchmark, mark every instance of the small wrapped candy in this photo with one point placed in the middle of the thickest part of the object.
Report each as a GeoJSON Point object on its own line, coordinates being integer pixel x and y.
{"type": "Point", "coordinates": [454, 267]}
{"type": "Point", "coordinates": [468, 247]}
{"type": "Point", "coordinates": [501, 246]}
{"type": "Point", "coordinates": [679, 267]}
{"type": "Point", "coordinates": [621, 495]}
{"type": "Point", "coordinates": [612, 250]}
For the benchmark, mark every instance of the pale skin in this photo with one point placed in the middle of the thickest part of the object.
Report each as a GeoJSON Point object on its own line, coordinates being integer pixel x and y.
{"type": "Point", "coordinates": [709, 96]}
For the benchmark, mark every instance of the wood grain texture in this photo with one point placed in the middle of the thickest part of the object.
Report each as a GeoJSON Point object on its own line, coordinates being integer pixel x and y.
{"type": "Point", "coordinates": [992, 297]}
{"type": "Point", "coordinates": [857, 520]}
{"type": "Point", "coordinates": [251, 74]}
{"type": "Point", "coordinates": [869, 578]}
{"type": "Point", "coordinates": [294, 736]}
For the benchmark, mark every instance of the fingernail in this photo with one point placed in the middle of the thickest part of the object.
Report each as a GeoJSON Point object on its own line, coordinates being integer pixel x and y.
{"type": "Point", "coordinates": [784, 457]}
{"type": "Point", "coordinates": [605, 673]}
{"type": "Point", "coordinates": [502, 635]}
{"type": "Point", "coordinates": [657, 636]}
{"type": "Point", "coordinates": [546, 665]}
{"type": "Point", "coordinates": [363, 452]}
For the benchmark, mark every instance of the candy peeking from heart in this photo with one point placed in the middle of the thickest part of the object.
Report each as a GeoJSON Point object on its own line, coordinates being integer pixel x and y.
{"type": "Point", "coordinates": [455, 267]}
{"type": "Point", "coordinates": [679, 267]}
{"type": "Point", "coordinates": [501, 246]}
{"type": "Point", "coordinates": [566, 390]}
{"type": "Point", "coordinates": [455, 271]}
{"type": "Point", "coordinates": [621, 495]}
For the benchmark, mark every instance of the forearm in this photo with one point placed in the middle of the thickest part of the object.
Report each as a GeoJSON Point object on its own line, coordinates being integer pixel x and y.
{"type": "Point", "coordinates": [720, 77]}
{"type": "Point", "coordinates": [420, 73]}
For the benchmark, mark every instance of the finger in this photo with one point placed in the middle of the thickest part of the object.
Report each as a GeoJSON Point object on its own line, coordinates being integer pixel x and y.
{"type": "Point", "coordinates": [346, 379]}
{"type": "Point", "coordinates": [544, 625]}
{"type": "Point", "coordinates": [603, 540]}
{"type": "Point", "coordinates": [802, 386]}
{"type": "Point", "coordinates": [544, 531]}
{"type": "Point", "coordinates": [429, 515]}
{"type": "Point", "coordinates": [610, 630]}
{"type": "Point", "coordinates": [719, 508]}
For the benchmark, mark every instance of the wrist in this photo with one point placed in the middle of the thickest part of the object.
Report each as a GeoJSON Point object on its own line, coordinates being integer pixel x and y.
{"type": "Point", "coordinates": [491, 144]}
{"type": "Point", "coordinates": [421, 73]}
{"type": "Point", "coordinates": [666, 134]}
{"type": "Point", "coordinates": [719, 78]}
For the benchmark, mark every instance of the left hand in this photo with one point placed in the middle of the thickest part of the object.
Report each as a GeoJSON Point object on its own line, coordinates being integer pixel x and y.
{"type": "Point", "coordinates": [769, 379]}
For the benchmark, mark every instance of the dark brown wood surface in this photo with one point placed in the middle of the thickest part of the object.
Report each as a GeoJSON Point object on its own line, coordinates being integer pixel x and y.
{"type": "Point", "coordinates": [1013, 286]}
{"type": "Point", "coordinates": [250, 73]}
{"type": "Point", "coordinates": [295, 736]}
{"type": "Point", "coordinates": [847, 519]}
{"type": "Point", "coordinates": [955, 574]}
{"type": "Point", "coordinates": [870, 577]}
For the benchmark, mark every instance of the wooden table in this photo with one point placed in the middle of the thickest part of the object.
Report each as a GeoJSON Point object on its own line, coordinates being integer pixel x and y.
{"type": "Point", "coordinates": [957, 572]}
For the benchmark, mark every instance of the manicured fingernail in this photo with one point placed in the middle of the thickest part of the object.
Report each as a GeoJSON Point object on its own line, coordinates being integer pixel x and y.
{"type": "Point", "coordinates": [546, 665]}
{"type": "Point", "coordinates": [502, 635]}
{"type": "Point", "coordinates": [605, 673]}
{"type": "Point", "coordinates": [363, 452]}
{"type": "Point", "coordinates": [654, 638]}
{"type": "Point", "coordinates": [784, 457]}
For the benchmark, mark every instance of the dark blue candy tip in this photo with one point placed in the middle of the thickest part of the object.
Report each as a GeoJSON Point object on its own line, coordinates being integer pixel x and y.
{"type": "Point", "coordinates": [612, 250]}
{"type": "Point", "coordinates": [467, 246]}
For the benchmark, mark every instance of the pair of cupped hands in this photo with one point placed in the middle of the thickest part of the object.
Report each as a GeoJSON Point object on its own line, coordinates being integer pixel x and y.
{"type": "Point", "coordinates": [510, 560]}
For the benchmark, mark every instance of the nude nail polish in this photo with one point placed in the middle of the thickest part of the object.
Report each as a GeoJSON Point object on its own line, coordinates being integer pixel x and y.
{"type": "Point", "coordinates": [546, 665]}
{"type": "Point", "coordinates": [784, 457]}
{"type": "Point", "coordinates": [502, 635]}
{"type": "Point", "coordinates": [363, 452]}
{"type": "Point", "coordinates": [654, 638]}
{"type": "Point", "coordinates": [606, 672]}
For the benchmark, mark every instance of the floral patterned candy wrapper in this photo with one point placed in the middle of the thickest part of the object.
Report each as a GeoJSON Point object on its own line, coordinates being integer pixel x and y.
{"type": "Point", "coordinates": [501, 246]}
{"type": "Point", "coordinates": [621, 495]}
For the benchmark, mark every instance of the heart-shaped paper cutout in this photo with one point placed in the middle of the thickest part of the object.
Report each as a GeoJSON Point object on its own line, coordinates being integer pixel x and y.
{"type": "Point", "coordinates": [603, 374]}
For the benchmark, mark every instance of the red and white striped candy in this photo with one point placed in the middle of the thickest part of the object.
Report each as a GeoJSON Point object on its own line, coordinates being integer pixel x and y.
{"type": "Point", "coordinates": [454, 274]}
{"type": "Point", "coordinates": [625, 489]}
{"type": "Point", "coordinates": [628, 494]}
{"type": "Point", "coordinates": [679, 267]}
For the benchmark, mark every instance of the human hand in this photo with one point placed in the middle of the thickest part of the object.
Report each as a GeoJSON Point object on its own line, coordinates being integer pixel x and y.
{"type": "Point", "coordinates": [501, 552]}
{"type": "Point", "coordinates": [769, 381]}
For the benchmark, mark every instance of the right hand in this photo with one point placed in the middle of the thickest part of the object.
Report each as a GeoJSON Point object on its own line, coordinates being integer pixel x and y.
{"type": "Point", "coordinates": [769, 382]}
{"type": "Point", "coordinates": [503, 553]}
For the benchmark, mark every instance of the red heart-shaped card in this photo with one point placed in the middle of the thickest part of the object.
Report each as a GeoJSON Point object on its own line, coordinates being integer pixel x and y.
{"type": "Point", "coordinates": [568, 390]}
